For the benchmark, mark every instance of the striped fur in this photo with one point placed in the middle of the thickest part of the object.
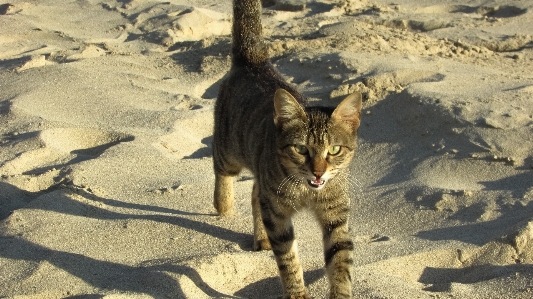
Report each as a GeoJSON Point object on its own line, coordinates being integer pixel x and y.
{"type": "Point", "coordinates": [298, 155]}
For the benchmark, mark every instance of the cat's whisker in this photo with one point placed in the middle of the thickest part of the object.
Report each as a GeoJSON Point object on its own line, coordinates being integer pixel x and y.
{"type": "Point", "coordinates": [283, 183]}
{"type": "Point", "coordinates": [293, 194]}
{"type": "Point", "coordinates": [281, 186]}
{"type": "Point", "coordinates": [353, 186]}
{"type": "Point", "coordinates": [287, 188]}
{"type": "Point", "coordinates": [354, 183]}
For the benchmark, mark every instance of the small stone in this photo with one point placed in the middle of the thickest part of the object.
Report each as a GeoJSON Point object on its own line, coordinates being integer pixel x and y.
{"type": "Point", "coordinates": [492, 123]}
{"type": "Point", "coordinates": [447, 203]}
{"type": "Point", "coordinates": [467, 193]}
{"type": "Point", "coordinates": [379, 238]}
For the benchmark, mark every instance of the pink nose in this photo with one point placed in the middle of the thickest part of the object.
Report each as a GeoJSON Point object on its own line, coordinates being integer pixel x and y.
{"type": "Point", "coordinates": [318, 174]}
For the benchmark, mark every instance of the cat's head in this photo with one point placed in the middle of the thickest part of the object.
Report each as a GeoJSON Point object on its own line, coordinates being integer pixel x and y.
{"type": "Point", "coordinates": [314, 144]}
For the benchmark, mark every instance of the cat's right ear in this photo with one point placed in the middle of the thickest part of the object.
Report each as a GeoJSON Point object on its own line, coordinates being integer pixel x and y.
{"type": "Point", "coordinates": [287, 108]}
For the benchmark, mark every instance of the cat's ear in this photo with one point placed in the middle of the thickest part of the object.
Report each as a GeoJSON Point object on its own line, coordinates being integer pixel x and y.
{"type": "Point", "coordinates": [286, 108]}
{"type": "Point", "coordinates": [349, 110]}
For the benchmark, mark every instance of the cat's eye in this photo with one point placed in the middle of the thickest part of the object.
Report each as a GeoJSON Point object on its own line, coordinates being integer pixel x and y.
{"type": "Point", "coordinates": [334, 150]}
{"type": "Point", "coordinates": [300, 149]}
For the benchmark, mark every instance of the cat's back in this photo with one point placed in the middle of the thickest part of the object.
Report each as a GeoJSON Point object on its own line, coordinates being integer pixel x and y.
{"type": "Point", "coordinates": [245, 107]}
{"type": "Point", "coordinates": [252, 86]}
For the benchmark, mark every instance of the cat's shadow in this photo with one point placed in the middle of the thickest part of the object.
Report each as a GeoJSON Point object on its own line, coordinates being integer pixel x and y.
{"type": "Point", "coordinates": [273, 285]}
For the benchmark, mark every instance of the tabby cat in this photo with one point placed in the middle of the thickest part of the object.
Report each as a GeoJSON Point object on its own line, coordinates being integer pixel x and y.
{"type": "Point", "coordinates": [297, 154]}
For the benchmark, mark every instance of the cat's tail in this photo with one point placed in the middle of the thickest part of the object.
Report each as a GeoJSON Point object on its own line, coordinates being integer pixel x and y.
{"type": "Point", "coordinates": [249, 47]}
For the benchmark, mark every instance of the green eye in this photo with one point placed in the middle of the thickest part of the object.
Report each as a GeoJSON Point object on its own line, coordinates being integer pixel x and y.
{"type": "Point", "coordinates": [334, 150]}
{"type": "Point", "coordinates": [300, 149]}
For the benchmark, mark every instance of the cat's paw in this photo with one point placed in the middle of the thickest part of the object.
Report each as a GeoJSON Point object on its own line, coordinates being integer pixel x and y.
{"type": "Point", "coordinates": [226, 213]}
{"type": "Point", "coordinates": [223, 208]}
{"type": "Point", "coordinates": [262, 244]}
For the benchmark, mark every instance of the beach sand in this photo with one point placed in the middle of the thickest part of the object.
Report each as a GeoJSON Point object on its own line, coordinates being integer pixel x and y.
{"type": "Point", "coordinates": [106, 118]}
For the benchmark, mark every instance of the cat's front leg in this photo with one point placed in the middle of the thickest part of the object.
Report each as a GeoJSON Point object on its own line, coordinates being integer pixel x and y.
{"type": "Point", "coordinates": [261, 241]}
{"type": "Point", "coordinates": [280, 231]}
{"type": "Point", "coordinates": [338, 247]}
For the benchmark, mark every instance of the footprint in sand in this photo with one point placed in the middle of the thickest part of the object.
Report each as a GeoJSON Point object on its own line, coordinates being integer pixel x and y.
{"type": "Point", "coordinates": [237, 275]}
{"type": "Point", "coordinates": [191, 138]}
{"type": "Point", "coordinates": [504, 11]}
{"type": "Point", "coordinates": [87, 51]}
{"type": "Point", "coordinates": [504, 256]}
{"type": "Point", "coordinates": [61, 147]}
{"type": "Point", "coordinates": [32, 62]}
{"type": "Point", "coordinates": [242, 275]}
{"type": "Point", "coordinates": [38, 60]}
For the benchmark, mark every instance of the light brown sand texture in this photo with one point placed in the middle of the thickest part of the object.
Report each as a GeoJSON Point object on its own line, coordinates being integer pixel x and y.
{"type": "Point", "coordinates": [105, 147]}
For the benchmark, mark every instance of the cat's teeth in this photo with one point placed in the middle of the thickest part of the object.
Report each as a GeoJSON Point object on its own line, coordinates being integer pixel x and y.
{"type": "Point", "coordinates": [318, 183]}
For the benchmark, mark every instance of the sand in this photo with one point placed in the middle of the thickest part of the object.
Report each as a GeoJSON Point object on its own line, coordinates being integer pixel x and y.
{"type": "Point", "coordinates": [105, 147]}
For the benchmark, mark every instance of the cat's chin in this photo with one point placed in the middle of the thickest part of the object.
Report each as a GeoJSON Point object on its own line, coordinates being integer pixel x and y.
{"type": "Point", "coordinates": [316, 184]}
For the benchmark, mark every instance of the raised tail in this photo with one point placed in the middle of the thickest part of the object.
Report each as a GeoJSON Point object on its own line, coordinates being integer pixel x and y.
{"type": "Point", "coordinates": [249, 47]}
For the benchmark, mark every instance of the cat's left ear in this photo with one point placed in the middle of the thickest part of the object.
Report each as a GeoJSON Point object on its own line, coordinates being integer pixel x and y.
{"type": "Point", "coordinates": [349, 110]}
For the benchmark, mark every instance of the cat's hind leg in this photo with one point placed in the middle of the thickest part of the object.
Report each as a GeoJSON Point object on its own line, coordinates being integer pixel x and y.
{"type": "Point", "coordinates": [224, 195]}
{"type": "Point", "coordinates": [224, 173]}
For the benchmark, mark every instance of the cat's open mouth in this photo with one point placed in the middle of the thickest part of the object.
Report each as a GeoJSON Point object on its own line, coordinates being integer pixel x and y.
{"type": "Point", "coordinates": [316, 183]}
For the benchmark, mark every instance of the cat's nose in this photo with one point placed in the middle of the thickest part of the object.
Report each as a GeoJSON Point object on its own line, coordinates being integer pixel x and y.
{"type": "Point", "coordinates": [318, 174]}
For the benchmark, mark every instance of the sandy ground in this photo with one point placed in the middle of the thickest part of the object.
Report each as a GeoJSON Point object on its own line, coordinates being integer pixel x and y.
{"type": "Point", "coordinates": [106, 127]}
